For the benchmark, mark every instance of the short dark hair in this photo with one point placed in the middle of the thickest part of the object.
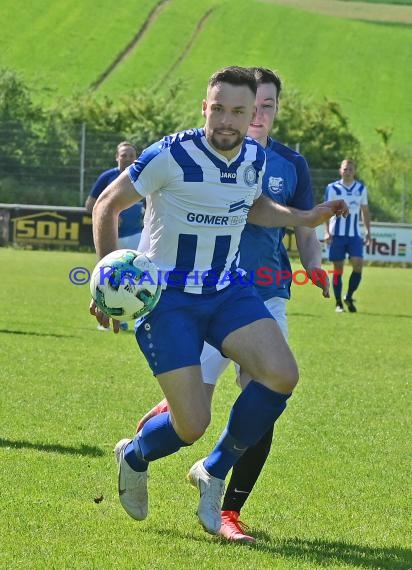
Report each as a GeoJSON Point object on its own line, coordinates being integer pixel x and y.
{"type": "Point", "coordinates": [264, 75]}
{"type": "Point", "coordinates": [124, 143]}
{"type": "Point", "coordinates": [348, 159]}
{"type": "Point", "coordinates": [234, 75]}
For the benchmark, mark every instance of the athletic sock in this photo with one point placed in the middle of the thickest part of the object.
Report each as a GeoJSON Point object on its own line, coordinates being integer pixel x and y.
{"type": "Point", "coordinates": [245, 473]}
{"type": "Point", "coordinates": [354, 281]}
{"type": "Point", "coordinates": [156, 439]}
{"type": "Point", "coordinates": [337, 287]}
{"type": "Point", "coordinates": [253, 413]}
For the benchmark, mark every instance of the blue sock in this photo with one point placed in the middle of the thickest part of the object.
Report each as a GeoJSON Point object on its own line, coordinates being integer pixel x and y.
{"type": "Point", "coordinates": [337, 286]}
{"type": "Point", "coordinates": [156, 439]}
{"type": "Point", "coordinates": [354, 281]}
{"type": "Point", "coordinates": [253, 413]}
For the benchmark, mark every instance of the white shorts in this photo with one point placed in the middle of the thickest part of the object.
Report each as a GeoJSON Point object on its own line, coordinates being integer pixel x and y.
{"type": "Point", "coordinates": [214, 364]}
{"type": "Point", "coordinates": [129, 242]}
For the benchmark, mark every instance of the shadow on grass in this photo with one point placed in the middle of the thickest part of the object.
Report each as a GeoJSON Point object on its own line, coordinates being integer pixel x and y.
{"type": "Point", "coordinates": [53, 448]}
{"type": "Point", "coordinates": [360, 313]}
{"type": "Point", "coordinates": [367, 314]}
{"type": "Point", "coordinates": [33, 333]}
{"type": "Point", "coordinates": [323, 553]}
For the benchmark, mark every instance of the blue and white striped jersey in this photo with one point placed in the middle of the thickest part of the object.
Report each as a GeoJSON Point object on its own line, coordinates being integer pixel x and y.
{"type": "Point", "coordinates": [355, 197]}
{"type": "Point", "coordinates": [196, 207]}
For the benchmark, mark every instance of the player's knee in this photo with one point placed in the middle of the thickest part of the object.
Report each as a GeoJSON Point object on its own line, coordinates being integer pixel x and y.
{"type": "Point", "coordinates": [193, 429]}
{"type": "Point", "coordinates": [284, 379]}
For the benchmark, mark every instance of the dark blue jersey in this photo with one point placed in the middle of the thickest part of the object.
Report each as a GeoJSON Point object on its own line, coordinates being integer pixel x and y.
{"type": "Point", "coordinates": [286, 181]}
{"type": "Point", "coordinates": [130, 220]}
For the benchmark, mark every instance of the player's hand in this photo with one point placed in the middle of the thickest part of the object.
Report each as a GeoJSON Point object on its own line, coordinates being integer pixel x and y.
{"type": "Point", "coordinates": [103, 319]}
{"type": "Point", "coordinates": [327, 238]}
{"type": "Point", "coordinates": [323, 212]}
{"type": "Point", "coordinates": [320, 278]}
{"type": "Point", "coordinates": [367, 239]}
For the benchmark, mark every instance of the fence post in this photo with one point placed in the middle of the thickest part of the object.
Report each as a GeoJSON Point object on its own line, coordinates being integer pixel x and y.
{"type": "Point", "coordinates": [405, 200]}
{"type": "Point", "coordinates": [82, 157]}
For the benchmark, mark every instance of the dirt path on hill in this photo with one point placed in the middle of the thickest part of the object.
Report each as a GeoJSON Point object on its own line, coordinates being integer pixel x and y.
{"type": "Point", "coordinates": [390, 13]}
{"type": "Point", "coordinates": [124, 54]}
{"type": "Point", "coordinates": [189, 44]}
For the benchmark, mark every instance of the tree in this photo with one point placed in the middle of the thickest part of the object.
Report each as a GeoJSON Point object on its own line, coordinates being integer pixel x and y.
{"type": "Point", "coordinates": [321, 130]}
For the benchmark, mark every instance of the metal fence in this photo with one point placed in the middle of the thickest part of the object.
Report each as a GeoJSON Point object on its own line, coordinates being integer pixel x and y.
{"type": "Point", "coordinates": [56, 172]}
{"type": "Point", "coordinates": [61, 168]}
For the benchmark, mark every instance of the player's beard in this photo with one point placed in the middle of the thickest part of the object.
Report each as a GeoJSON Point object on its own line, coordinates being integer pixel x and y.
{"type": "Point", "coordinates": [224, 142]}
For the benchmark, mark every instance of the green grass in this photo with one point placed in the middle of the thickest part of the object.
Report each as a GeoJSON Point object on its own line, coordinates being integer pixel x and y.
{"type": "Point", "coordinates": [334, 493]}
{"type": "Point", "coordinates": [403, 2]}
{"type": "Point", "coordinates": [65, 46]}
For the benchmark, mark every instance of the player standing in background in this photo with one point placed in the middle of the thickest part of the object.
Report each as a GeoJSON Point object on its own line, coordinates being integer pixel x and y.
{"type": "Point", "coordinates": [200, 185]}
{"type": "Point", "coordinates": [286, 181]}
{"type": "Point", "coordinates": [344, 236]}
{"type": "Point", "coordinates": [130, 220]}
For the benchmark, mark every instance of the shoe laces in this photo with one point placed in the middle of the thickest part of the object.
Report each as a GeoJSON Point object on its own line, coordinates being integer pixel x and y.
{"type": "Point", "coordinates": [231, 518]}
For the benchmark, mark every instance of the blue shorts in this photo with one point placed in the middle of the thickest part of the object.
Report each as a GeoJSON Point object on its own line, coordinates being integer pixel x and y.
{"type": "Point", "coordinates": [342, 245]}
{"type": "Point", "coordinates": [172, 335]}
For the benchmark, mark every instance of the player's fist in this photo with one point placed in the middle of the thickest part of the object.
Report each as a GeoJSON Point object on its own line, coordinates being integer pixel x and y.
{"type": "Point", "coordinates": [323, 212]}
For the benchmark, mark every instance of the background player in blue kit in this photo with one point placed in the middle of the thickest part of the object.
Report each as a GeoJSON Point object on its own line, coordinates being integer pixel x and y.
{"type": "Point", "coordinates": [344, 236]}
{"type": "Point", "coordinates": [130, 220]}
{"type": "Point", "coordinates": [200, 186]}
{"type": "Point", "coordinates": [286, 181]}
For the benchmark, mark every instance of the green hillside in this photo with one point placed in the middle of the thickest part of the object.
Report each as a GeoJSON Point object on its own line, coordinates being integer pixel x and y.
{"type": "Point", "coordinates": [68, 45]}
{"type": "Point", "coordinates": [405, 2]}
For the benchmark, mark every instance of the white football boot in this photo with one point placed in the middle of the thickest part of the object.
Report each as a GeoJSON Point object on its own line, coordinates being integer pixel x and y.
{"type": "Point", "coordinates": [211, 494]}
{"type": "Point", "coordinates": [132, 485]}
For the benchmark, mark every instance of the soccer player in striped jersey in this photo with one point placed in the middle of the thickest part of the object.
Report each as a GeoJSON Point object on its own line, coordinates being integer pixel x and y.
{"type": "Point", "coordinates": [344, 235]}
{"type": "Point", "coordinates": [200, 186]}
{"type": "Point", "coordinates": [286, 181]}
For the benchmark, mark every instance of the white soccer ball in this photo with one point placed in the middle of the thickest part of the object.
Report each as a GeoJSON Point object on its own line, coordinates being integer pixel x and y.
{"type": "Point", "coordinates": [125, 285]}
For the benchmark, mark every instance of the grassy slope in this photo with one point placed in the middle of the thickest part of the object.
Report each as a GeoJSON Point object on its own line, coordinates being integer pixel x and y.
{"type": "Point", "coordinates": [62, 46]}
{"type": "Point", "coordinates": [175, 26]}
{"type": "Point", "coordinates": [404, 2]}
{"type": "Point", "coordinates": [333, 494]}
{"type": "Point", "coordinates": [66, 45]}
{"type": "Point", "coordinates": [328, 60]}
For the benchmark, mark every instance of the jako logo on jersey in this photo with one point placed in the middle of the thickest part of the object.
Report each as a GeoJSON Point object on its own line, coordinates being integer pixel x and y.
{"type": "Point", "coordinates": [226, 176]}
{"type": "Point", "coordinates": [275, 184]}
{"type": "Point", "coordinates": [250, 175]}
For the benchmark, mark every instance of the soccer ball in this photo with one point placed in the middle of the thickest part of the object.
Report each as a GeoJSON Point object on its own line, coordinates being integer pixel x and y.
{"type": "Point", "coordinates": [125, 285]}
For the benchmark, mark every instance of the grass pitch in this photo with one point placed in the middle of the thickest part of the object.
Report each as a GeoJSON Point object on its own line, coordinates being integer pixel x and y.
{"type": "Point", "coordinates": [334, 492]}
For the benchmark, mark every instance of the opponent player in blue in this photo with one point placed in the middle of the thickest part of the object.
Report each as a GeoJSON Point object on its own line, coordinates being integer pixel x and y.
{"type": "Point", "coordinates": [286, 181]}
{"type": "Point", "coordinates": [200, 185]}
{"type": "Point", "coordinates": [344, 236]}
{"type": "Point", "coordinates": [130, 220]}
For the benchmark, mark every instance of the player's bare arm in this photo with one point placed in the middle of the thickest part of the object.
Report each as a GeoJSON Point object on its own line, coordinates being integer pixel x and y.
{"type": "Point", "coordinates": [90, 202]}
{"type": "Point", "coordinates": [118, 196]}
{"type": "Point", "coordinates": [267, 213]}
{"type": "Point", "coordinates": [310, 253]}
{"type": "Point", "coordinates": [366, 222]}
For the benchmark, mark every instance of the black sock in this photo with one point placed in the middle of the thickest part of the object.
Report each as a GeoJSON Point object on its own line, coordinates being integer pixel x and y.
{"type": "Point", "coordinates": [337, 287]}
{"type": "Point", "coordinates": [354, 281]}
{"type": "Point", "coordinates": [246, 472]}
